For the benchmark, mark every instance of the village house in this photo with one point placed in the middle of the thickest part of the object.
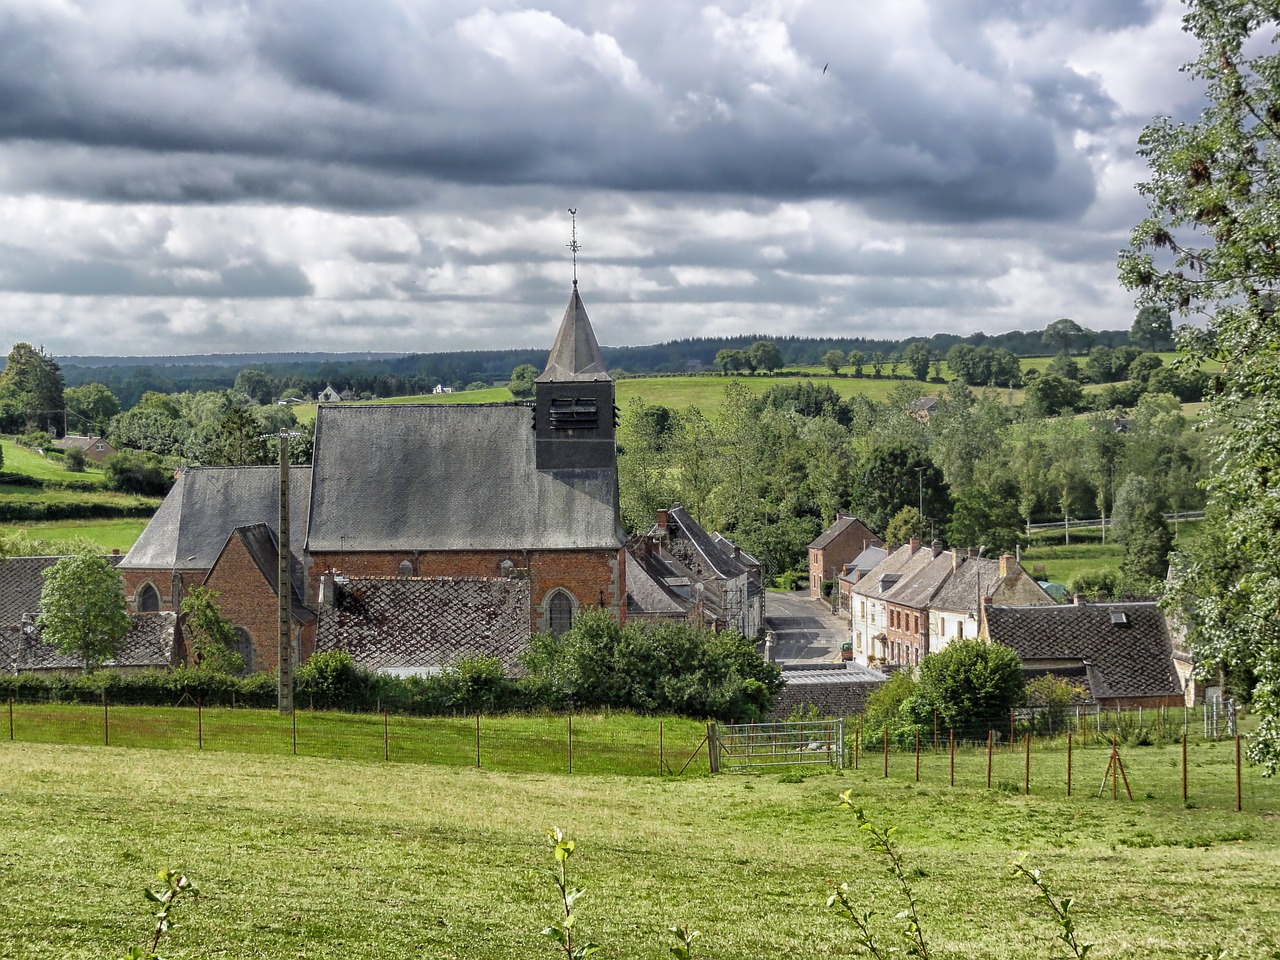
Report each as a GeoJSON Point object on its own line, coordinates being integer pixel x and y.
{"type": "Point", "coordinates": [834, 547]}
{"type": "Point", "coordinates": [853, 571]}
{"type": "Point", "coordinates": [955, 610]}
{"type": "Point", "coordinates": [1119, 654]}
{"type": "Point", "coordinates": [94, 448]}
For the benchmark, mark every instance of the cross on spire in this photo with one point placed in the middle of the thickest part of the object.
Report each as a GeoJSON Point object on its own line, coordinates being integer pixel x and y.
{"type": "Point", "coordinates": [573, 244]}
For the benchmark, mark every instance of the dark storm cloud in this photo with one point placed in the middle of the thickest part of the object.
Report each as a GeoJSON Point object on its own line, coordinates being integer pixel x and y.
{"type": "Point", "coordinates": [350, 106]}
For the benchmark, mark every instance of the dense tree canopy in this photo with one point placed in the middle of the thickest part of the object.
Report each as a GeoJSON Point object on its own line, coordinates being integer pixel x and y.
{"type": "Point", "coordinates": [31, 392]}
{"type": "Point", "coordinates": [82, 609]}
{"type": "Point", "coordinates": [1210, 249]}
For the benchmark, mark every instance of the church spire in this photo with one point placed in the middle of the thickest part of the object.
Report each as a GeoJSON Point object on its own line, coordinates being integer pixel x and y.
{"type": "Point", "coordinates": [575, 356]}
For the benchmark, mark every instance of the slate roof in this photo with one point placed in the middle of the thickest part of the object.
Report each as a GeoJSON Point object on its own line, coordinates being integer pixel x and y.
{"type": "Point", "coordinates": [885, 575]}
{"type": "Point", "coordinates": [976, 577]}
{"type": "Point", "coordinates": [840, 526]}
{"type": "Point", "coordinates": [719, 559]}
{"type": "Point", "coordinates": [77, 442]}
{"type": "Point", "coordinates": [922, 577]}
{"type": "Point", "coordinates": [647, 594]}
{"type": "Point", "coordinates": [575, 355]}
{"type": "Point", "coordinates": [1130, 660]}
{"type": "Point", "coordinates": [150, 642]}
{"type": "Point", "coordinates": [863, 563]}
{"type": "Point", "coordinates": [206, 504]}
{"type": "Point", "coordinates": [263, 547]}
{"type": "Point", "coordinates": [426, 624]}
{"type": "Point", "coordinates": [728, 545]}
{"type": "Point", "coordinates": [21, 580]}
{"type": "Point", "coordinates": [449, 477]}
{"type": "Point", "coordinates": [846, 672]}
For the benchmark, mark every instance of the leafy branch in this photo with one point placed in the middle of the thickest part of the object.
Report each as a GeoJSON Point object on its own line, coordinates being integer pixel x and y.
{"type": "Point", "coordinates": [166, 899]}
{"type": "Point", "coordinates": [1061, 909]}
{"type": "Point", "coordinates": [561, 932]}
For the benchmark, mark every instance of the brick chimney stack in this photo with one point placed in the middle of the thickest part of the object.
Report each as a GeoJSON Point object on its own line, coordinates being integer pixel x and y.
{"type": "Point", "coordinates": [662, 521]}
{"type": "Point", "coordinates": [913, 545]}
{"type": "Point", "coordinates": [1006, 564]}
{"type": "Point", "coordinates": [936, 546]}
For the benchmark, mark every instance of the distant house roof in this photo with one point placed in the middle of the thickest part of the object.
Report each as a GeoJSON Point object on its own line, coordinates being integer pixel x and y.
{"type": "Point", "coordinates": [863, 563]}
{"type": "Point", "coordinates": [206, 504]}
{"type": "Point", "coordinates": [922, 577]}
{"type": "Point", "coordinates": [426, 624]}
{"type": "Point", "coordinates": [977, 577]}
{"type": "Point", "coordinates": [263, 547]}
{"type": "Point", "coordinates": [1124, 646]}
{"type": "Point", "coordinates": [651, 588]}
{"type": "Point", "coordinates": [75, 442]}
{"type": "Point", "coordinates": [924, 404]}
{"type": "Point", "coordinates": [152, 641]}
{"type": "Point", "coordinates": [449, 477]}
{"type": "Point", "coordinates": [832, 532]}
{"type": "Point", "coordinates": [575, 355]}
{"type": "Point", "coordinates": [719, 558]}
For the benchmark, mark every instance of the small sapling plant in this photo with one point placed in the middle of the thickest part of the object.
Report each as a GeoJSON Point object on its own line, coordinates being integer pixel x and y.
{"type": "Point", "coordinates": [561, 933]}
{"type": "Point", "coordinates": [165, 898]}
{"type": "Point", "coordinates": [1059, 906]}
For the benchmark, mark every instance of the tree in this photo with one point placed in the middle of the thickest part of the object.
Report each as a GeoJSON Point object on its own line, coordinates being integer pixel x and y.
{"type": "Point", "coordinates": [856, 359]}
{"type": "Point", "coordinates": [211, 640]}
{"type": "Point", "coordinates": [1212, 193]}
{"type": "Point", "coordinates": [877, 363]}
{"type": "Point", "coordinates": [1152, 326]}
{"type": "Point", "coordinates": [897, 476]}
{"type": "Point", "coordinates": [917, 357]}
{"type": "Point", "coordinates": [82, 609]}
{"type": "Point", "coordinates": [241, 441]}
{"type": "Point", "coordinates": [730, 361]}
{"type": "Point", "coordinates": [972, 684]}
{"type": "Point", "coordinates": [906, 523]}
{"type": "Point", "coordinates": [1063, 366]}
{"type": "Point", "coordinates": [521, 383]}
{"type": "Point", "coordinates": [137, 471]}
{"type": "Point", "coordinates": [254, 384]}
{"type": "Point", "coordinates": [765, 356]}
{"type": "Point", "coordinates": [73, 460]}
{"type": "Point", "coordinates": [93, 406]}
{"type": "Point", "coordinates": [1049, 395]}
{"type": "Point", "coordinates": [1143, 367]}
{"type": "Point", "coordinates": [1062, 334]}
{"type": "Point", "coordinates": [833, 360]}
{"type": "Point", "coordinates": [31, 391]}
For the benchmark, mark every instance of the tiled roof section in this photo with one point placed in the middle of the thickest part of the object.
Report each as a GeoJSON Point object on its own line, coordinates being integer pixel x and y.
{"type": "Point", "coordinates": [1125, 660]}
{"type": "Point", "coordinates": [206, 504]}
{"type": "Point", "coordinates": [449, 477]}
{"type": "Point", "coordinates": [719, 559]}
{"type": "Point", "coordinates": [73, 442]}
{"type": "Point", "coordinates": [149, 643]}
{"type": "Point", "coordinates": [885, 575]}
{"type": "Point", "coordinates": [863, 563]}
{"type": "Point", "coordinates": [847, 672]}
{"type": "Point", "coordinates": [976, 577]}
{"type": "Point", "coordinates": [840, 526]}
{"type": "Point", "coordinates": [575, 355]}
{"type": "Point", "coordinates": [922, 578]}
{"type": "Point", "coordinates": [262, 545]}
{"type": "Point", "coordinates": [646, 592]}
{"type": "Point", "coordinates": [21, 580]}
{"type": "Point", "coordinates": [427, 623]}
{"type": "Point", "coordinates": [729, 546]}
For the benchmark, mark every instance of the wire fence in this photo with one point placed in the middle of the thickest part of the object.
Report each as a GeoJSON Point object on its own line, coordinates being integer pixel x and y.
{"type": "Point", "coordinates": [1187, 758]}
{"type": "Point", "coordinates": [588, 743]}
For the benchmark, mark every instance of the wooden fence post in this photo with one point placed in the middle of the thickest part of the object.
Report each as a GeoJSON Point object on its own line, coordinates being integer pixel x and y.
{"type": "Point", "coordinates": [293, 722]}
{"type": "Point", "coordinates": [1027, 782]}
{"type": "Point", "coordinates": [886, 751]}
{"type": "Point", "coordinates": [1013, 744]}
{"type": "Point", "coordinates": [991, 745]}
{"type": "Point", "coordinates": [953, 757]}
{"type": "Point", "coordinates": [1068, 763]}
{"type": "Point", "coordinates": [1184, 765]}
{"type": "Point", "coordinates": [857, 745]}
{"type": "Point", "coordinates": [662, 760]}
{"type": "Point", "coordinates": [199, 725]}
{"type": "Point", "coordinates": [713, 749]}
{"type": "Point", "coordinates": [106, 721]}
{"type": "Point", "coordinates": [11, 716]}
{"type": "Point", "coordinates": [1239, 797]}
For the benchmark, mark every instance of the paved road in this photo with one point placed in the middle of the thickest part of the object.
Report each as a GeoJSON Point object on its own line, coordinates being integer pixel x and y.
{"type": "Point", "coordinates": [804, 630]}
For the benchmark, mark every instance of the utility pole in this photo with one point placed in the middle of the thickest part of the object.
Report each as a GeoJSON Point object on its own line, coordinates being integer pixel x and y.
{"type": "Point", "coordinates": [284, 580]}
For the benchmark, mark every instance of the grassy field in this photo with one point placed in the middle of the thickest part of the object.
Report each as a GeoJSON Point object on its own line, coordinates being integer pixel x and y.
{"type": "Point", "coordinates": [108, 534]}
{"type": "Point", "coordinates": [19, 459]}
{"type": "Point", "coordinates": [305, 856]}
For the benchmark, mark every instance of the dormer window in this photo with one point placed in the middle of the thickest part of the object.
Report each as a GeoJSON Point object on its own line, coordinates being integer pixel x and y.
{"type": "Point", "coordinates": [574, 413]}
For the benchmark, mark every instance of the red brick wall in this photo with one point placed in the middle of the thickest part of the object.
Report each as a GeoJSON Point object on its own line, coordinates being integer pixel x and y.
{"type": "Point", "coordinates": [162, 580]}
{"type": "Point", "coordinates": [245, 599]}
{"type": "Point", "coordinates": [908, 628]}
{"type": "Point", "coordinates": [588, 575]}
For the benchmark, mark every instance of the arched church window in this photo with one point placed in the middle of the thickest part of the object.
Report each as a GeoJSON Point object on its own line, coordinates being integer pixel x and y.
{"type": "Point", "coordinates": [244, 647]}
{"type": "Point", "coordinates": [148, 599]}
{"type": "Point", "coordinates": [406, 568]}
{"type": "Point", "coordinates": [561, 613]}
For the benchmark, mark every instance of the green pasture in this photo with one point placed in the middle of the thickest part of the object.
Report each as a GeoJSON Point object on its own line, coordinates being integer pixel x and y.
{"type": "Point", "coordinates": [325, 858]}
{"type": "Point", "coordinates": [108, 534]}
{"type": "Point", "coordinates": [19, 459]}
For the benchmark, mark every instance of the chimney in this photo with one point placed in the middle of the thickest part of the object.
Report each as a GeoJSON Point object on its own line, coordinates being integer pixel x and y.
{"type": "Point", "coordinates": [983, 610]}
{"type": "Point", "coordinates": [913, 545]}
{"type": "Point", "coordinates": [1080, 600]}
{"type": "Point", "coordinates": [662, 521]}
{"type": "Point", "coordinates": [955, 559]}
{"type": "Point", "coordinates": [737, 552]}
{"type": "Point", "coordinates": [115, 551]}
{"type": "Point", "coordinates": [936, 546]}
{"type": "Point", "coordinates": [325, 598]}
{"type": "Point", "coordinates": [975, 552]}
{"type": "Point", "coordinates": [1006, 564]}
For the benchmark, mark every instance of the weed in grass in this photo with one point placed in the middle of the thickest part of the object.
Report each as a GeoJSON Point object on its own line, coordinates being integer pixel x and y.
{"type": "Point", "coordinates": [166, 900]}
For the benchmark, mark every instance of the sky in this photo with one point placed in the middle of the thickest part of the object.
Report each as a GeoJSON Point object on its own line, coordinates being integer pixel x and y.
{"type": "Point", "coordinates": [350, 175]}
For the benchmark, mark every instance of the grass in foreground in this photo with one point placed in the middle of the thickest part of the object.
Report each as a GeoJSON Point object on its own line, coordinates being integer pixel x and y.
{"type": "Point", "coordinates": [325, 858]}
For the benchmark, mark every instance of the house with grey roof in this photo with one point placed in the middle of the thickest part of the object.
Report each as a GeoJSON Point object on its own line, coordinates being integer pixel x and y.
{"type": "Point", "coordinates": [1120, 654]}
{"type": "Point", "coordinates": [94, 448]}
{"type": "Point", "coordinates": [154, 642]}
{"type": "Point", "coordinates": [726, 588]}
{"type": "Point", "coordinates": [851, 573]}
{"type": "Point", "coordinates": [834, 547]}
{"type": "Point", "coordinates": [955, 610]}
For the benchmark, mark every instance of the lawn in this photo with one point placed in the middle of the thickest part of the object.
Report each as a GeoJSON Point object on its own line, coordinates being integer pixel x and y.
{"type": "Point", "coordinates": [307, 856]}
{"type": "Point", "coordinates": [18, 459]}
{"type": "Point", "coordinates": [108, 534]}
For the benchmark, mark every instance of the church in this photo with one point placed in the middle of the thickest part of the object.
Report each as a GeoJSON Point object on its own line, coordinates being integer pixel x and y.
{"type": "Point", "coordinates": [465, 526]}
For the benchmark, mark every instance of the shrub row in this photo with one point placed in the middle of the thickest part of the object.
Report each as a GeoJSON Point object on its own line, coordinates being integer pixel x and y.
{"type": "Point", "coordinates": [34, 508]}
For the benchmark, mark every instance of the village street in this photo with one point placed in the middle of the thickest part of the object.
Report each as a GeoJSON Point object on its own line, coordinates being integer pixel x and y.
{"type": "Point", "coordinates": [804, 630]}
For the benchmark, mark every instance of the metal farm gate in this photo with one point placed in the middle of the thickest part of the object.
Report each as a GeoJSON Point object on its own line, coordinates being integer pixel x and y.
{"type": "Point", "coordinates": [742, 746]}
